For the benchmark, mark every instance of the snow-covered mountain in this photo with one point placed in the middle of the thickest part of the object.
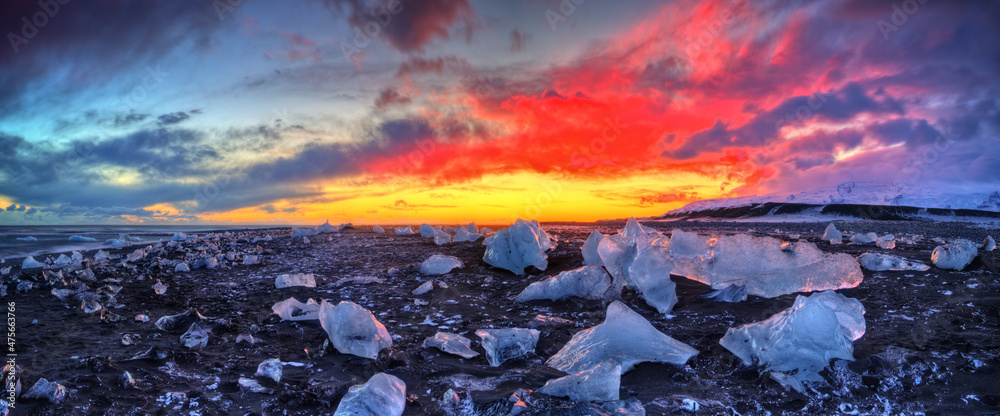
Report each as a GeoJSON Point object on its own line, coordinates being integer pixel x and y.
{"type": "Point", "coordinates": [861, 193]}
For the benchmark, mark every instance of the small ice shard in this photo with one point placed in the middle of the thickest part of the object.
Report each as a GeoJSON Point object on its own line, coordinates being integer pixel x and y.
{"type": "Point", "coordinates": [30, 263]}
{"type": "Point", "coordinates": [878, 262]}
{"type": "Point", "coordinates": [441, 237]}
{"type": "Point", "coordinates": [439, 264]}
{"type": "Point", "coordinates": [63, 261]}
{"type": "Point", "coordinates": [141, 318]}
{"type": "Point", "coordinates": [303, 232]}
{"type": "Point", "coordinates": [989, 244]}
{"type": "Point", "coordinates": [250, 260]}
{"type": "Point", "coordinates": [801, 340]}
{"type": "Point", "coordinates": [768, 267]}
{"type": "Point", "coordinates": [254, 386]}
{"type": "Point", "coordinates": [44, 389]}
{"type": "Point", "coordinates": [117, 243]}
{"type": "Point", "coordinates": [129, 339]}
{"type": "Point", "coordinates": [462, 234]}
{"type": "Point", "coordinates": [292, 310]}
{"type": "Point", "coordinates": [378, 229]}
{"type": "Point", "coordinates": [523, 244]}
{"type": "Point", "coordinates": [451, 344]}
{"type": "Point", "coordinates": [426, 230]}
{"type": "Point", "coordinates": [159, 288]}
{"type": "Point", "coordinates": [182, 267]}
{"type": "Point", "coordinates": [507, 343]}
{"type": "Point", "coordinates": [171, 323]}
{"type": "Point", "coordinates": [382, 395]}
{"type": "Point", "coordinates": [595, 384]}
{"type": "Point", "coordinates": [864, 238]}
{"type": "Point", "coordinates": [405, 231]}
{"type": "Point", "coordinates": [179, 236]}
{"type": "Point", "coordinates": [81, 239]}
{"type": "Point", "coordinates": [588, 282]}
{"type": "Point", "coordinates": [28, 239]}
{"type": "Point", "coordinates": [472, 228]}
{"type": "Point", "coordinates": [126, 380]}
{"type": "Point", "coordinates": [591, 256]}
{"type": "Point", "coordinates": [886, 242]}
{"type": "Point", "coordinates": [76, 257]}
{"type": "Point", "coordinates": [306, 240]}
{"type": "Point", "coordinates": [270, 368]}
{"type": "Point", "coordinates": [832, 235]}
{"type": "Point", "coordinates": [424, 288]}
{"type": "Point", "coordinates": [90, 306]}
{"type": "Point", "coordinates": [5, 271]}
{"type": "Point", "coordinates": [731, 293]}
{"type": "Point", "coordinates": [195, 338]}
{"type": "Point", "coordinates": [353, 329]}
{"type": "Point", "coordinates": [290, 280]}
{"type": "Point", "coordinates": [327, 228]}
{"type": "Point", "coordinates": [955, 256]}
{"type": "Point", "coordinates": [485, 231]}
{"type": "Point", "coordinates": [358, 280]}
{"type": "Point", "coordinates": [545, 320]}
{"type": "Point", "coordinates": [247, 338]}
{"type": "Point", "coordinates": [625, 337]}
{"type": "Point", "coordinates": [211, 262]}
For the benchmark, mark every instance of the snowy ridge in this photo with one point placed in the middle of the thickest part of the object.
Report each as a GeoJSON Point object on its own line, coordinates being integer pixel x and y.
{"type": "Point", "coordinates": [860, 193]}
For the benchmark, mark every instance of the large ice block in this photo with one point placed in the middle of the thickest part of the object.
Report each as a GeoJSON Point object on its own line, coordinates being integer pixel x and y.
{"type": "Point", "coordinates": [955, 256]}
{"type": "Point", "coordinates": [649, 274]}
{"type": "Point", "coordinates": [590, 255]}
{"type": "Point", "coordinates": [382, 395]}
{"type": "Point", "coordinates": [588, 282]}
{"type": "Point", "coordinates": [625, 337]}
{"type": "Point", "coordinates": [353, 329]}
{"type": "Point", "coordinates": [523, 244]}
{"type": "Point", "coordinates": [801, 340]}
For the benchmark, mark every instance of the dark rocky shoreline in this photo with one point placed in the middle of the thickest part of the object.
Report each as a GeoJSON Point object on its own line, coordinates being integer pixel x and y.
{"type": "Point", "coordinates": [931, 346]}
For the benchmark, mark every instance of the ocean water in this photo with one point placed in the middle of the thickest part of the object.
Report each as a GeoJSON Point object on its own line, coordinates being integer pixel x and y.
{"type": "Point", "coordinates": [55, 238]}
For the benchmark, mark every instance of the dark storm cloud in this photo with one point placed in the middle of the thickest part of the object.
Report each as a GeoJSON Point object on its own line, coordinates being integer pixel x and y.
{"type": "Point", "coordinates": [389, 97]}
{"type": "Point", "coordinates": [414, 24]}
{"type": "Point", "coordinates": [172, 118]}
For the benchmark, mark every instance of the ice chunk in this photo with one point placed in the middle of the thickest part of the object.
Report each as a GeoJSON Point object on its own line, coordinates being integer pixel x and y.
{"type": "Point", "coordinates": [439, 264]}
{"type": "Point", "coordinates": [688, 244]}
{"type": "Point", "coordinates": [485, 231]}
{"type": "Point", "coordinates": [172, 323]}
{"type": "Point", "coordinates": [801, 340]}
{"type": "Point", "coordinates": [44, 389]}
{"type": "Point", "coordinates": [28, 239]}
{"type": "Point", "coordinates": [887, 242]}
{"type": "Point", "coordinates": [353, 329]}
{"type": "Point", "coordinates": [864, 238]}
{"type": "Point", "coordinates": [101, 254]}
{"type": "Point", "coordinates": [327, 228]}
{"type": "Point", "coordinates": [136, 255]}
{"type": "Point", "coordinates": [250, 260]}
{"type": "Point", "coordinates": [451, 344]}
{"type": "Point", "coordinates": [633, 231]}
{"type": "Point", "coordinates": [382, 395]}
{"type": "Point", "coordinates": [182, 267]}
{"type": "Point", "coordinates": [30, 263]}
{"type": "Point", "coordinates": [588, 282]}
{"type": "Point", "coordinates": [731, 293]}
{"type": "Point", "coordinates": [878, 262]}
{"type": "Point", "coordinates": [462, 234]}
{"type": "Point", "coordinates": [649, 274]}
{"type": "Point", "coordinates": [292, 310]}
{"type": "Point", "coordinates": [596, 384]}
{"type": "Point", "coordinates": [426, 230]}
{"type": "Point", "coordinates": [955, 256]}
{"type": "Point", "coordinates": [441, 237]}
{"type": "Point", "coordinates": [405, 231]}
{"type": "Point", "coordinates": [159, 288]}
{"type": "Point", "coordinates": [195, 338]}
{"type": "Point", "coordinates": [63, 261]}
{"type": "Point", "coordinates": [832, 235]}
{"type": "Point", "coordinates": [117, 243]}
{"type": "Point", "coordinates": [507, 343]}
{"type": "Point", "coordinates": [766, 266]}
{"type": "Point", "coordinates": [179, 236]}
{"type": "Point", "coordinates": [989, 244]}
{"type": "Point", "coordinates": [625, 337]}
{"type": "Point", "coordinates": [81, 239]}
{"type": "Point", "coordinates": [423, 288]}
{"type": "Point", "coordinates": [617, 256]}
{"type": "Point", "coordinates": [590, 254]}
{"type": "Point", "coordinates": [270, 368]}
{"type": "Point", "coordinates": [378, 229]}
{"type": "Point", "coordinates": [254, 386]}
{"type": "Point", "coordinates": [289, 280]}
{"type": "Point", "coordinates": [523, 244]}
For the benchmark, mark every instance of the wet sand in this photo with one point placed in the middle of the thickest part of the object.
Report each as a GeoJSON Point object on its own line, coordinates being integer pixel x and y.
{"type": "Point", "coordinates": [931, 346]}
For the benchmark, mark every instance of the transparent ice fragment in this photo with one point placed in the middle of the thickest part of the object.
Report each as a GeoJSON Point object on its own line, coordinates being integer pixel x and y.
{"type": "Point", "coordinates": [955, 256]}
{"type": "Point", "coordinates": [289, 280]}
{"type": "Point", "coordinates": [451, 344]}
{"type": "Point", "coordinates": [881, 262]}
{"type": "Point", "coordinates": [596, 384]}
{"type": "Point", "coordinates": [588, 282]}
{"type": "Point", "coordinates": [507, 343]}
{"type": "Point", "coordinates": [382, 395]}
{"type": "Point", "coordinates": [292, 310]}
{"type": "Point", "coordinates": [353, 329]}
{"type": "Point", "coordinates": [522, 245]}
{"type": "Point", "coordinates": [439, 264]}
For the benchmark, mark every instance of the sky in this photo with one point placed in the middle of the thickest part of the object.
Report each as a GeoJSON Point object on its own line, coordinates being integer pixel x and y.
{"type": "Point", "coordinates": [448, 111]}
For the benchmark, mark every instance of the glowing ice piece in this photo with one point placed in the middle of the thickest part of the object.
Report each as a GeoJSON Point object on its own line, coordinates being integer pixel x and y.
{"type": "Point", "coordinates": [378, 229]}
{"type": "Point", "coordinates": [353, 329]}
{"type": "Point", "coordinates": [588, 282]}
{"type": "Point", "coordinates": [382, 395]}
{"type": "Point", "coordinates": [451, 344]}
{"type": "Point", "coordinates": [523, 244]}
{"type": "Point", "coordinates": [590, 255]}
{"type": "Point", "coordinates": [955, 256]}
{"type": "Point", "coordinates": [596, 384]}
